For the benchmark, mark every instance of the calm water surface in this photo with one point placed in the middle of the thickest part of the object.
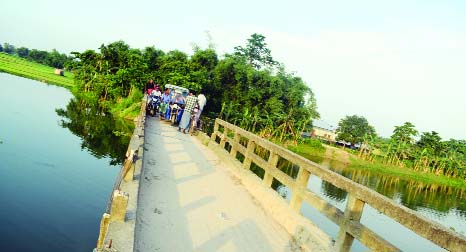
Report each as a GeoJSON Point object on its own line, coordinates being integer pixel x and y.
{"type": "Point", "coordinates": [56, 172]}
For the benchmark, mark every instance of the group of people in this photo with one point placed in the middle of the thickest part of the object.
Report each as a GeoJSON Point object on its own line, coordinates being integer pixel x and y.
{"type": "Point", "coordinates": [193, 105]}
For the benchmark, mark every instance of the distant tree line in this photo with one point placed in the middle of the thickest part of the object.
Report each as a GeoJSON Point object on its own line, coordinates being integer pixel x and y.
{"type": "Point", "coordinates": [53, 58]}
{"type": "Point", "coordinates": [426, 152]}
{"type": "Point", "coordinates": [247, 87]}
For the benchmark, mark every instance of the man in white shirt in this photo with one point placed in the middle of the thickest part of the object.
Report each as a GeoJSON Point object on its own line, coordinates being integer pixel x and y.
{"type": "Point", "coordinates": [202, 101]}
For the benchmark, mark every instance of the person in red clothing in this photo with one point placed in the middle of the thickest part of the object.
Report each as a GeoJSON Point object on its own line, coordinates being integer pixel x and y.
{"type": "Point", "coordinates": [149, 87]}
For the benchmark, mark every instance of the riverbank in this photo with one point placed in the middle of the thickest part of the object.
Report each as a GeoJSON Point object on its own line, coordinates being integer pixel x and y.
{"type": "Point", "coordinates": [31, 70]}
{"type": "Point", "coordinates": [127, 108]}
{"type": "Point", "coordinates": [339, 158]}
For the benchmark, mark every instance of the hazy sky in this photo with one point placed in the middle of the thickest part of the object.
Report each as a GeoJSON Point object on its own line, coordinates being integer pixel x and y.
{"type": "Point", "coordinates": [389, 61]}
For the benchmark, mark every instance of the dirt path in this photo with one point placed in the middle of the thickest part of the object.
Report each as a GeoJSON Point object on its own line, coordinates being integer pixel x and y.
{"type": "Point", "coordinates": [333, 153]}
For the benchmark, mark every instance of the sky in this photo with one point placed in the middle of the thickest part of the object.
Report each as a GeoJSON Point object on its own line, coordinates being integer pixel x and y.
{"type": "Point", "coordinates": [389, 61]}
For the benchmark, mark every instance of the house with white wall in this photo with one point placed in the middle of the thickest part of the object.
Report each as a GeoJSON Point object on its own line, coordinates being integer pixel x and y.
{"type": "Point", "coordinates": [323, 130]}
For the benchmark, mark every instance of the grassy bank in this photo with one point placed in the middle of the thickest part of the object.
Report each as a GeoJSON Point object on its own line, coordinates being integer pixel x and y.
{"type": "Point", "coordinates": [21, 67]}
{"type": "Point", "coordinates": [311, 149]}
{"type": "Point", "coordinates": [406, 173]}
{"type": "Point", "coordinates": [340, 158]}
{"type": "Point", "coordinates": [127, 108]}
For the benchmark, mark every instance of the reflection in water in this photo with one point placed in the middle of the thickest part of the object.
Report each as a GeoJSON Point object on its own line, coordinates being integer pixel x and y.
{"type": "Point", "coordinates": [101, 134]}
{"type": "Point", "coordinates": [333, 192]}
{"type": "Point", "coordinates": [410, 193]}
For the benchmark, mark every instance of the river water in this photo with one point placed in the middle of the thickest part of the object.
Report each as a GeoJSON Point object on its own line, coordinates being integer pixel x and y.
{"type": "Point", "coordinates": [57, 168]}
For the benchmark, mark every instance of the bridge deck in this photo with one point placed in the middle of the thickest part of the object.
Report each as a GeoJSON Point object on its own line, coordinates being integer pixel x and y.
{"type": "Point", "coordinates": [188, 202]}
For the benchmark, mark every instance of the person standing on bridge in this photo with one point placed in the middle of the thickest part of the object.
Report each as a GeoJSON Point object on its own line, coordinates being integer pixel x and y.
{"type": "Point", "coordinates": [202, 101]}
{"type": "Point", "coordinates": [164, 108]}
{"type": "Point", "coordinates": [191, 102]}
{"type": "Point", "coordinates": [149, 87]}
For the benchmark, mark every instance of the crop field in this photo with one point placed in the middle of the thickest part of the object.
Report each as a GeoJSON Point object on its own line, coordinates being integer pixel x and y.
{"type": "Point", "coordinates": [21, 67]}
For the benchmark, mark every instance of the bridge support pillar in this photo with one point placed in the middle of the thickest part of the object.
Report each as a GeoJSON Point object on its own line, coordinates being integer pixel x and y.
{"type": "Point", "coordinates": [353, 212]}
{"type": "Point", "coordinates": [119, 204]}
{"type": "Point", "coordinates": [301, 185]}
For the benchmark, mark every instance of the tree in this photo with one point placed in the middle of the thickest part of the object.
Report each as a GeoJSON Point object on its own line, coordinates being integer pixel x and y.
{"type": "Point", "coordinates": [431, 141]}
{"type": "Point", "coordinates": [38, 56]}
{"type": "Point", "coordinates": [201, 67]}
{"type": "Point", "coordinates": [22, 52]}
{"type": "Point", "coordinates": [175, 70]}
{"type": "Point", "coordinates": [404, 133]}
{"type": "Point", "coordinates": [153, 57]}
{"type": "Point", "coordinates": [10, 49]}
{"type": "Point", "coordinates": [272, 103]}
{"type": "Point", "coordinates": [402, 144]}
{"type": "Point", "coordinates": [353, 129]}
{"type": "Point", "coordinates": [256, 52]}
{"type": "Point", "coordinates": [1, 48]}
{"type": "Point", "coordinates": [55, 59]}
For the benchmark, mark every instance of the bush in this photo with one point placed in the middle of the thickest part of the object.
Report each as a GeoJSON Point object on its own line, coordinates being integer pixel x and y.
{"type": "Point", "coordinates": [314, 143]}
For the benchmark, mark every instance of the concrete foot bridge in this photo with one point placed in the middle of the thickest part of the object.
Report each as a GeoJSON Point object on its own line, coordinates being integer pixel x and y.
{"type": "Point", "coordinates": [177, 192]}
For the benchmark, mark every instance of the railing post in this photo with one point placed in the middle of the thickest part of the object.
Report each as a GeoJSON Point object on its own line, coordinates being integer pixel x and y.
{"type": "Point", "coordinates": [104, 223]}
{"type": "Point", "coordinates": [119, 204]}
{"type": "Point", "coordinates": [301, 184]}
{"type": "Point", "coordinates": [215, 132]}
{"type": "Point", "coordinates": [128, 166]}
{"type": "Point", "coordinates": [247, 156]}
{"type": "Point", "coordinates": [273, 161]}
{"type": "Point", "coordinates": [236, 139]}
{"type": "Point", "coordinates": [224, 137]}
{"type": "Point", "coordinates": [353, 212]}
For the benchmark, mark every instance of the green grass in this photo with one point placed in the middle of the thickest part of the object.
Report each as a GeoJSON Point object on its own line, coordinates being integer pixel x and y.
{"type": "Point", "coordinates": [24, 68]}
{"type": "Point", "coordinates": [406, 173]}
{"type": "Point", "coordinates": [128, 108]}
{"type": "Point", "coordinates": [310, 149]}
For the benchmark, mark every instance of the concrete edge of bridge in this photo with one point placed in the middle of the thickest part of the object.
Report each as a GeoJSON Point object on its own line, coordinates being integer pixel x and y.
{"type": "Point", "coordinates": [118, 224]}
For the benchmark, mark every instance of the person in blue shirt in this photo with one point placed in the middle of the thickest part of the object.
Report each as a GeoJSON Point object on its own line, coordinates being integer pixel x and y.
{"type": "Point", "coordinates": [164, 108]}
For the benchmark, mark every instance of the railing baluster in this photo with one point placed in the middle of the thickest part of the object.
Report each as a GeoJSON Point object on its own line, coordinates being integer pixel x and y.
{"type": "Point", "coordinates": [235, 141]}
{"type": "Point", "coordinates": [224, 136]}
{"type": "Point", "coordinates": [273, 161]}
{"type": "Point", "coordinates": [247, 157]}
{"type": "Point", "coordinates": [301, 184]}
{"type": "Point", "coordinates": [353, 212]}
{"type": "Point", "coordinates": [215, 132]}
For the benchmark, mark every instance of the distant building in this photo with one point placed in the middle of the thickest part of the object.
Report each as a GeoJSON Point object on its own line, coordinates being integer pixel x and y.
{"type": "Point", "coordinates": [323, 130]}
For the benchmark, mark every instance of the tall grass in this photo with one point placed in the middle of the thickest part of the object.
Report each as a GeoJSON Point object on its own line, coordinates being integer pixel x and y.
{"type": "Point", "coordinates": [128, 107]}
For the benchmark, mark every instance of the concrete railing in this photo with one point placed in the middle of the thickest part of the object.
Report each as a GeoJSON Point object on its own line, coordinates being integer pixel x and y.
{"type": "Point", "coordinates": [118, 202]}
{"type": "Point", "coordinates": [351, 228]}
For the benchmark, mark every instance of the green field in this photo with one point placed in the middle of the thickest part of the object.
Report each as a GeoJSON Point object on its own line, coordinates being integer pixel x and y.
{"type": "Point", "coordinates": [21, 67]}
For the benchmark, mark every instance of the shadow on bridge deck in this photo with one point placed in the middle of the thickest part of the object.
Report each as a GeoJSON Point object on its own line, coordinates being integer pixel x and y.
{"type": "Point", "coordinates": [187, 202]}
